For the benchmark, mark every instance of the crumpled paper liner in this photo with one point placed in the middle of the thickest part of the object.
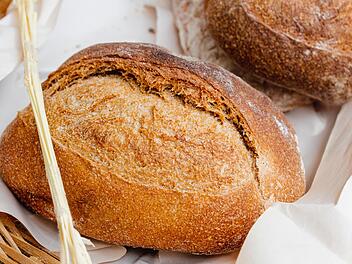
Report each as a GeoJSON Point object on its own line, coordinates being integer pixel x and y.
{"type": "Point", "coordinates": [317, 228]}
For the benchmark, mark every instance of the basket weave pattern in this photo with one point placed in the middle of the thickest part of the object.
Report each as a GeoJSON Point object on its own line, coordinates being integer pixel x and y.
{"type": "Point", "coordinates": [18, 246]}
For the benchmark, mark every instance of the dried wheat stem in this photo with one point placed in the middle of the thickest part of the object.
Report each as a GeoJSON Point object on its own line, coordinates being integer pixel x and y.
{"type": "Point", "coordinates": [72, 247]}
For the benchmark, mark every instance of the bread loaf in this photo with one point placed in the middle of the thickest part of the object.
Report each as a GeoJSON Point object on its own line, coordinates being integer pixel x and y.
{"type": "Point", "coordinates": [302, 45]}
{"type": "Point", "coordinates": [155, 151]}
{"type": "Point", "coordinates": [197, 41]}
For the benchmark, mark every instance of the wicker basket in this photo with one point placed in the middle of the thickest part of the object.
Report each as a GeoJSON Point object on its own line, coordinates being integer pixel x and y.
{"type": "Point", "coordinates": [18, 246]}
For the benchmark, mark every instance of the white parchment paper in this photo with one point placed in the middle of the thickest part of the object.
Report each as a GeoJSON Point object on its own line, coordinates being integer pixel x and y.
{"type": "Point", "coordinates": [295, 229]}
{"type": "Point", "coordinates": [317, 228]}
{"type": "Point", "coordinates": [10, 45]}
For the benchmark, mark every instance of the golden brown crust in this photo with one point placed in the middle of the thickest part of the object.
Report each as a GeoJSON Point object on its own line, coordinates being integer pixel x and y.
{"type": "Point", "coordinates": [4, 4]}
{"type": "Point", "coordinates": [109, 207]}
{"type": "Point", "coordinates": [301, 45]}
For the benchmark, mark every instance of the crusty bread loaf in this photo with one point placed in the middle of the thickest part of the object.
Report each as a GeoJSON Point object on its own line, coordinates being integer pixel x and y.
{"type": "Point", "coordinates": [197, 41]}
{"type": "Point", "coordinates": [303, 45]}
{"type": "Point", "coordinates": [155, 151]}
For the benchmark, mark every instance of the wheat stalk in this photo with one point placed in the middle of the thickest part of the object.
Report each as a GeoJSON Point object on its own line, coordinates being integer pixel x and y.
{"type": "Point", "coordinates": [72, 246]}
